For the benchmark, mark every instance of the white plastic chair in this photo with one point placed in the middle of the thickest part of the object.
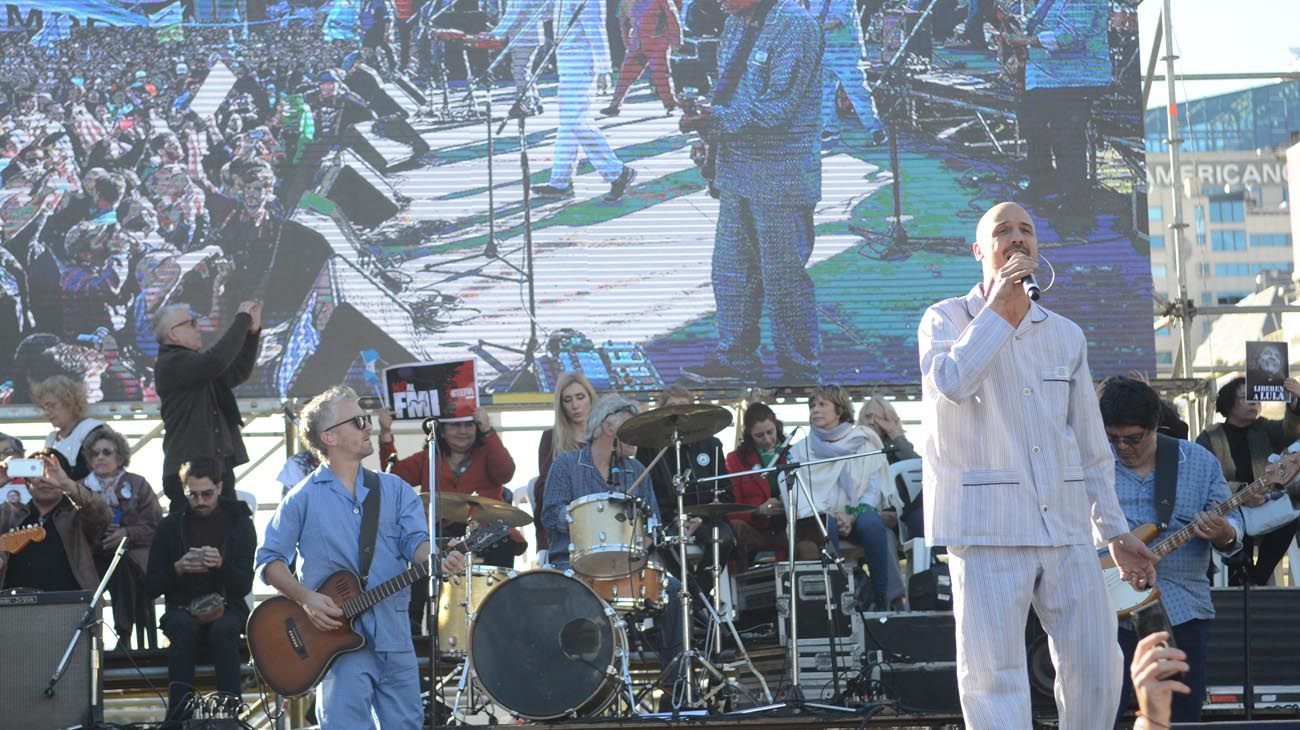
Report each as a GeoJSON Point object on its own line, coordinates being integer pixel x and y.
{"type": "Point", "coordinates": [910, 470]}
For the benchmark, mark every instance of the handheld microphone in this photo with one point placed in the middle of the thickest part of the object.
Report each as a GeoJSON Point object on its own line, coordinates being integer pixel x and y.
{"type": "Point", "coordinates": [392, 461]}
{"type": "Point", "coordinates": [1031, 287]}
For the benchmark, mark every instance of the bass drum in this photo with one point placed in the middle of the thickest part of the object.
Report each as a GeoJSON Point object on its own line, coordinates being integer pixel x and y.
{"type": "Point", "coordinates": [545, 646]}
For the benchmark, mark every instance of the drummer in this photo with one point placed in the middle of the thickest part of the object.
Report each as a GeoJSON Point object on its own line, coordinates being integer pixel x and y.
{"type": "Point", "coordinates": [471, 460]}
{"type": "Point", "coordinates": [604, 464]}
{"type": "Point", "coordinates": [704, 458]}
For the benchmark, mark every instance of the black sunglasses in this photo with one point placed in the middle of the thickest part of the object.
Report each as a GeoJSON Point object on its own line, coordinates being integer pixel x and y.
{"type": "Point", "coordinates": [362, 422]}
{"type": "Point", "coordinates": [1129, 441]}
{"type": "Point", "coordinates": [102, 452]}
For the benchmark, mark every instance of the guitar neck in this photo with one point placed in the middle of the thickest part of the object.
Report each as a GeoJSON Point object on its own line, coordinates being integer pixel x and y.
{"type": "Point", "coordinates": [358, 605]}
{"type": "Point", "coordinates": [1187, 532]}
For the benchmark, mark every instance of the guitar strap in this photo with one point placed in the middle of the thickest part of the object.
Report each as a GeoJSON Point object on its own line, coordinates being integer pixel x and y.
{"type": "Point", "coordinates": [1166, 478]}
{"type": "Point", "coordinates": [369, 521]}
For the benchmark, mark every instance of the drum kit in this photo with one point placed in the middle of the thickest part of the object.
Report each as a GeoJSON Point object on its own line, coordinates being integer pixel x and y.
{"type": "Point", "coordinates": [568, 632]}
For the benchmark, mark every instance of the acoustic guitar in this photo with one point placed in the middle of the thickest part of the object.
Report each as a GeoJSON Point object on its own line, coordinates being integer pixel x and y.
{"type": "Point", "coordinates": [1125, 598]}
{"type": "Point", "coordinates": [15, 540]}
{"type": "Point", "coordinates": [292, 655]}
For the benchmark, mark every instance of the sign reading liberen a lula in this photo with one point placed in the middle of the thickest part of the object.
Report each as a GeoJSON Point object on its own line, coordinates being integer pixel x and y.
{"type": "Point", "coordinates": [1267, 370]}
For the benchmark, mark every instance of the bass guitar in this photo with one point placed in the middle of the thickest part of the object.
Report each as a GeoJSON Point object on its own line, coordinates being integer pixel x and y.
{"type": "Point", "coordinates": [15, 540]}
{"type": "Point", "coordinates": [1125, 598]}
{"type": "Point", "coordinates": [292, 655]}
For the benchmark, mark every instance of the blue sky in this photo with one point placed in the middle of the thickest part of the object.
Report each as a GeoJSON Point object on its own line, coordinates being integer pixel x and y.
{"type": "Point", "coordinates": [1214, 36]}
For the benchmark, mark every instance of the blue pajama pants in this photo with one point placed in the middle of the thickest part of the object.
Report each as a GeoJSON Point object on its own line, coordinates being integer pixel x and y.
{"type": "Point", "coordinates": [759, 257]}
{"type": "Point", "coordinates": [371, 689]}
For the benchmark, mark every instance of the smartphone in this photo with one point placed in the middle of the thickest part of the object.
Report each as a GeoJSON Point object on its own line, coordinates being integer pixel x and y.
{"type": "Point", "coordinates": [370, 403]}
{"type": "Point", "coordinates": [26, 468]}
{"type": "Point", "coordinates": [1151, 619]}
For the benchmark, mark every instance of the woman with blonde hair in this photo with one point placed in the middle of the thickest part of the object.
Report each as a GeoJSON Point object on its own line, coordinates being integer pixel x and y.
{"type": "Point", "coordinates": [63, 401]}
{"type": "Point", "coordinates": [879, 415]}
{"type": "Point", "coordinates": [574, 397]}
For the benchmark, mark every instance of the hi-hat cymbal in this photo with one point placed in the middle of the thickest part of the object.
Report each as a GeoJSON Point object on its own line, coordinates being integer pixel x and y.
{"type": "Point", "coordinates": [718, 509]}
{"type": "Point", "coordinates": [461, 508]}
{"type": "Point", "coordinates": [691, 421]}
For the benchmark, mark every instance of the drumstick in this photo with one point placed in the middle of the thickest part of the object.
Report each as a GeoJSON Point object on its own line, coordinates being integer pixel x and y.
{"type": "Point", "coordinates": [650, 466]}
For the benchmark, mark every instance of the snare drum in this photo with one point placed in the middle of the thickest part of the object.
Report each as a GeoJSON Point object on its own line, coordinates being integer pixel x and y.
{"type": "Point", "coordinates": [606, 534]}
{"type": "Point", "coordinates": [453, 623]}
{"type": "Point", "coordinates": [643, 590]}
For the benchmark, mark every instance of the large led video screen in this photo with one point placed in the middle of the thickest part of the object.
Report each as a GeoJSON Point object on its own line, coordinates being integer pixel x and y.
{"type": "Point", "coordinates": [335, 161]}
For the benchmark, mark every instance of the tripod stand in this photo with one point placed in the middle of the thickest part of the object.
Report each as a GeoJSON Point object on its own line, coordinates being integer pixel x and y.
{"type": "Point", "coordinates": [518, 376]}
{"type": "Point", "coordinates": [896, 243]}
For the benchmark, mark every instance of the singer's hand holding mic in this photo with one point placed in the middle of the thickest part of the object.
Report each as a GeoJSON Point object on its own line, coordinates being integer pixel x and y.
{"type": "Point", "coordinates": [1011, 290]}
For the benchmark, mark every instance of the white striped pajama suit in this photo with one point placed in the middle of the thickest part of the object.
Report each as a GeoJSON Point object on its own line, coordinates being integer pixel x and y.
{"type": "Point", "coordinates": [1019, 484]}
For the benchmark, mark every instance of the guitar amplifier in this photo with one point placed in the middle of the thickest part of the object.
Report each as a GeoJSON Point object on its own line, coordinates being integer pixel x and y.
{"type": "Point", "coordinates": [35, 629]}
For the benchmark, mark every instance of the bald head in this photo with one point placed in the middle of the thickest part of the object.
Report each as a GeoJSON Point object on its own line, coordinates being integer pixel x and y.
{"type": "Point", "coordinates": [1006, 229]}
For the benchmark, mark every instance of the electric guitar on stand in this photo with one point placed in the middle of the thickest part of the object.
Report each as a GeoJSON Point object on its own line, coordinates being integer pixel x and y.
{"type": "Point", "coordinates": [292, 655]}
{"type": "Point", "coordinates": [1125, 598]}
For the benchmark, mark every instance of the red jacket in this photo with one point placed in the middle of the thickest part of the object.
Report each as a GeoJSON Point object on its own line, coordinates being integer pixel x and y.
{"type": "Point", "coordinates": [754, 489]}
{"type": "Point", "coordinates": [490, 467]}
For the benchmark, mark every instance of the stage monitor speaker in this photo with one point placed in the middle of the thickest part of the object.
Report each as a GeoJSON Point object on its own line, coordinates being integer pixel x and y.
{"type": "Point", "coordinates": [307, 240]}
{"type": "Point", "coordinates": [386, 98]}
{"type": "Point", "coordinates": [390, 144]}
{"type": "Point", "coordinates": [1274, 642]}
{"type": "Point", "coordinates": [346, 313]}
{"type": "Point", "coordinates": [359, 190]}
{"type": "Point", "coordinates": [35, 629]}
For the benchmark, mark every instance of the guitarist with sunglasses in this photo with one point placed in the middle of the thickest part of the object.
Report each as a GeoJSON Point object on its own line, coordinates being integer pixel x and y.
{"type": "Point", "coordinates": [1130, 410]}
{"type": "Point", "coordinates": [320, 521]}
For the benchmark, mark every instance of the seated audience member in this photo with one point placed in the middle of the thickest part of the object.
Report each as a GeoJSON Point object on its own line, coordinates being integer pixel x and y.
{"type": "Point", "coordinates": [1242, 443]}
{"type": "Point", "coordinates": [1154, 672]}
{"type": "Point", "coordinates": [136, 514]}
{"type": "Point", "coordinates": [471, 460]}
{"type": "Point", "coordinates": [63, 400]}
{"type": "Point", "coordinates": [879, 415]}
{"type": "Point", "coordinates": [202, 562]}
{"type": "Point", "coordinates": [574, 398]}
{"type": "Point", "coordinates": [1130, 411]}
{"type": "Point", "coordinates": [851, 493]}
{"type": "Point", "coordinates": [74, 518]}
{"type": "Point", "coordinates": [765, 527]}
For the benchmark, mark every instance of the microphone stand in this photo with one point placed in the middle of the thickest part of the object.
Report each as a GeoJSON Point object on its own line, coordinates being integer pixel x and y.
{"type": "Point", "coordinates": [435, 589]}
{"type": "Point", "coordinates": [491, 250]}
{"type": "Point", "coordinates": [87, 619]}
{"type": "Point", "coordinates": [795, 698]}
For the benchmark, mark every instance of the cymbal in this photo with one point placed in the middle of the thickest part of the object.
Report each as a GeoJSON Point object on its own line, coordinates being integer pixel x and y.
{"type": "Point", "coordinates": [718, 509]}
{"type": "Point", "coordinates": [691, 421]}
{"type": "Point", "coordinates": [461, 508]}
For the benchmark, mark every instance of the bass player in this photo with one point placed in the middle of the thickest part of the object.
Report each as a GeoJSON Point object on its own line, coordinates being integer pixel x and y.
{"type": "Point", "coordinates": [1130, 410]}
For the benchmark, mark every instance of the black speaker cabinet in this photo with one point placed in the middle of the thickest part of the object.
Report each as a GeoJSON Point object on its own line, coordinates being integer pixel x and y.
{"type": "Point", "coordinates": [35, 629]}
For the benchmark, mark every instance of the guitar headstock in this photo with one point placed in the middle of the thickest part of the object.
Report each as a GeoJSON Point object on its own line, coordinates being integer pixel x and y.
{"type": "Point", "coordinates": [15, 540]}
{"type": "Point", "coordinates": [1283, 471]}
{"type": "Point", "coordinates": [485, 536]}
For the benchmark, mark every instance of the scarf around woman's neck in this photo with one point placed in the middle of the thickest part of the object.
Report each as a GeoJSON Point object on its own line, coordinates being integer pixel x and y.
{"type": "Point", "coordinates": [107, 488]}
{"type": "Point", "coordinates": [841, 440]}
